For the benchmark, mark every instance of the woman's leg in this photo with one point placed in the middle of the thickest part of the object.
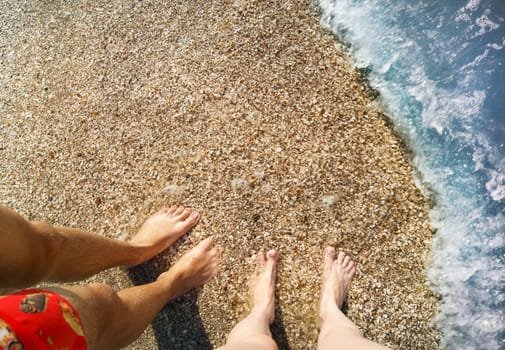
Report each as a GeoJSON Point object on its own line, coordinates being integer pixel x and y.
{"type": "Point", "coordinates": [113, 320]}
{"type": "Point", "coordinates": [337, 331]}
{"type": "Point", "coordinates": [253, 332]}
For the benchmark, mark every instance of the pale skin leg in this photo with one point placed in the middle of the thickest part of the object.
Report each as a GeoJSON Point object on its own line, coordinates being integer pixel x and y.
{"type": "Point", "coordinates": [38, 251]}
{"type": "Point", "coordinates": [253, 332]}
{"type": "Point", "coordinates": [113, 320]}
{"type": "Point", "coordinates": [337, 331]}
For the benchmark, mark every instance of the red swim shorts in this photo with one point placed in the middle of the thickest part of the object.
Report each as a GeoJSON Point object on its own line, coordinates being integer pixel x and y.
{"type": "Point", "coordinates": [39, 319]}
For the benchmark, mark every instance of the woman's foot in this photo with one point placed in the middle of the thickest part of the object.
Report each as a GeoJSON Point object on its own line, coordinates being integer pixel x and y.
{"type": "Point", "coordinates": [337, 276]}
{"type": "Point", "coordinates": [335, 327]}
{"type": "Point", "coordinates": [262, 284]}
{"type": "Point", "coordinates": [253, 332]}
{"type": "Point", "coordinates": [162, 229]}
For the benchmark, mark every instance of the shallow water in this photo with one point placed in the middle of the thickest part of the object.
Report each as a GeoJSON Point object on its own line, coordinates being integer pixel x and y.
{"type": "Point", "coordinates": [439, 68]}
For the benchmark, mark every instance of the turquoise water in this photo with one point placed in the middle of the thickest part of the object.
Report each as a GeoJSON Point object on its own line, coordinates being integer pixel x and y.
{"type": "Point", "coordinates": [440, 69]}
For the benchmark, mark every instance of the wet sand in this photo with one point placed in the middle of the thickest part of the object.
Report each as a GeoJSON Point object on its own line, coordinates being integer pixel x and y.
{"type": "Point", "coordinates": [248, 111]}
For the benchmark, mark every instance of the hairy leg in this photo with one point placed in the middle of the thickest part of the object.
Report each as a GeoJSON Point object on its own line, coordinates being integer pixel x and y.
{"type": "Point", "coordinates": [253, 332]}
{"type": "Point", "coordinates": [337, 331]}
{"type": "Point", "coordinates": [38, 251]}
{"type": "Point", "coordinates": [113, 320]}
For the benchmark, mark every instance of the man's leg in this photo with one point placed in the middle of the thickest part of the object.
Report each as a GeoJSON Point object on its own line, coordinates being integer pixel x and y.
{"type": "Point", "coordinates": [337, 331]}
{"type": "Point", "coordinates": [35, 251]}
{"type": "Point", "coordinates": [113, 320]}
{"type": "Point", "coordinates": [253, 332]}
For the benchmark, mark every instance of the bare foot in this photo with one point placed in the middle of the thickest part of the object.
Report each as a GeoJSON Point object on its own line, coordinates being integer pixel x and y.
{"type": "Point", "coordinates": [162, 229]}
{"type": "Point", "coordinates": [337, 277]}
{"type": "Point", "coordinates": [195, 268]}
{"type": "Point", "coordinates": [262, 284]}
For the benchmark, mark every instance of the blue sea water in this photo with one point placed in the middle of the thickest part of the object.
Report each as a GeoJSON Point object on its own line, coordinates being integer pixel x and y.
{"type": "Point", "coordinates": [439, 67]}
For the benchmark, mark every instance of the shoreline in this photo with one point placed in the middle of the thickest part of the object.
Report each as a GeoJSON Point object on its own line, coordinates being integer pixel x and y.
{"type": "Point", "coordinates": [249, 112]}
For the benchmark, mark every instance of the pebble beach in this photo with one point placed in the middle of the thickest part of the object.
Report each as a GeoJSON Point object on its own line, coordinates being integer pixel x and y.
{"type": "Point", "coordinates": [248, 111]}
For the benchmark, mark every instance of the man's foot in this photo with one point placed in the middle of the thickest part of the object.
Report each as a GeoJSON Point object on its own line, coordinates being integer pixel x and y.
{"type": "Point", "coordinates": [337, 277]}
{"type": "Point", "coordinates": [195, 268]}
{"type": "Point", "coordinates": [262, 284]}
{"type": "Point", "coordinates": [162, 229]}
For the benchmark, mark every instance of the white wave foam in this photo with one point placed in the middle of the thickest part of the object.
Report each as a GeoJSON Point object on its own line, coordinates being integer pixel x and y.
{"type": "Point", "coordinates": [496, 184]}
{"type": "Point", "coordinates": [472, 5]}
{"type": "Point", "coordinates": [485, 24]}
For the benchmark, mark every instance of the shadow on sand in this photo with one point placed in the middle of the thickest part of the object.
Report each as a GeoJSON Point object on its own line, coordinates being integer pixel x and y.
{"type": "Point", "coordinates": [278, 330]}
{"type": "Point", "coordinates": [178, 325]}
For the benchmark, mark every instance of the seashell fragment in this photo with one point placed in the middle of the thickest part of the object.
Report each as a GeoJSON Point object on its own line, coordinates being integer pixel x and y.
{"type": "Point", "coordinates": [329, 201]}
{"type": "Point", "coordinates": [173, 189]}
